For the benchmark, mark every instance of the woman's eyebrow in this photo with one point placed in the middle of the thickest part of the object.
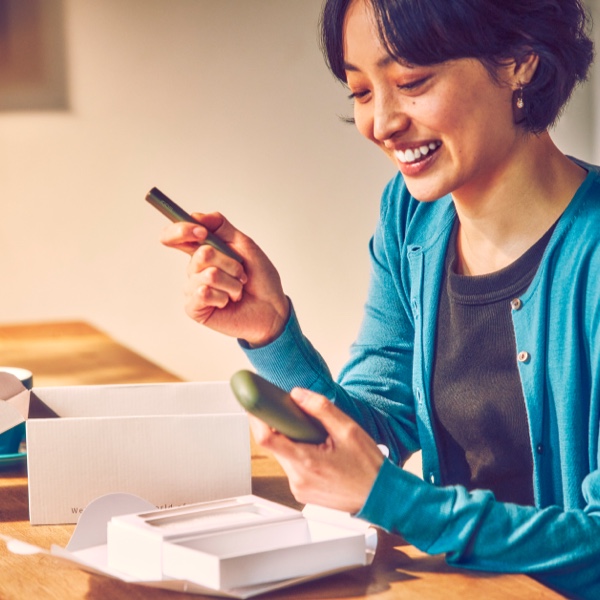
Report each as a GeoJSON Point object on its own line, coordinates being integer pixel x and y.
{"type": "Point", "coordinates": [382, 62]}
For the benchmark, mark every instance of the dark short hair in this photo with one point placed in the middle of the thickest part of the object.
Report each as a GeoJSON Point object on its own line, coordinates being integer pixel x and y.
{"type": "Point", "coordinates": [426, 32]}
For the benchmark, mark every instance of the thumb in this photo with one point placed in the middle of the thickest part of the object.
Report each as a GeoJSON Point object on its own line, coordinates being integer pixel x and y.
{"type": "Point", "coordinates": [216, 223]}
{"type": "Point", "coordinates": [318, 406]}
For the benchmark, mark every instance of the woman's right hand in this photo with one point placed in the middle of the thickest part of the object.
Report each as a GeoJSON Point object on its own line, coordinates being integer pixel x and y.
{"type": "Point", "coordinates": [241, 300]}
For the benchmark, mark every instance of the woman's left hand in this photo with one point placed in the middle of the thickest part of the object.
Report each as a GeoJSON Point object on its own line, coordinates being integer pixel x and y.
{"type": "Point", "coordinates": [340, 472]}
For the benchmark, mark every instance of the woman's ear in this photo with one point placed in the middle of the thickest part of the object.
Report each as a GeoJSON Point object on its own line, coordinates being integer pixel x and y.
{"type": "Point", "coordinates": [520, 74]}
{"type": "Point", "coordinates": [523, 70]}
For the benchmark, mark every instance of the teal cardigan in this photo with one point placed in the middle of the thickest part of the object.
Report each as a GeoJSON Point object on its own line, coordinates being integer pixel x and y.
{"type": "Point", "coordinates": [385, 386]}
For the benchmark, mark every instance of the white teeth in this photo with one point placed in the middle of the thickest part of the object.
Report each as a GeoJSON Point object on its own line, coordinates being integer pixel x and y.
{"type": "Point", "coordinates": [412, 154]}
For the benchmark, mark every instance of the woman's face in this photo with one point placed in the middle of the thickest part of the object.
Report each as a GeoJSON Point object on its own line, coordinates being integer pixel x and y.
{"type": "Point", "coordinates": [449, 128]}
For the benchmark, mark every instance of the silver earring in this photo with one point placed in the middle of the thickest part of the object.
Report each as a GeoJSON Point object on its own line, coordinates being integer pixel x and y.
{"type": "Point", "coordinates": [520, 101]}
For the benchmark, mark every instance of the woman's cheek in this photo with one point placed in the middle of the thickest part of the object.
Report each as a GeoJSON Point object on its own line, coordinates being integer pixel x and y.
{"type": "Point", "coordinates": [363, 121]}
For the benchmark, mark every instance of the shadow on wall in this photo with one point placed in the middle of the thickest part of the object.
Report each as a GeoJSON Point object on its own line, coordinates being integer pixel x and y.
{"type": "Point", "coordinates": [33, 72]}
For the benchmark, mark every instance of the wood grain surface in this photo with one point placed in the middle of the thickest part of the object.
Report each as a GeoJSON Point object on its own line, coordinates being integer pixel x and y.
{"type": "Point", "coordinates": [76, 353]}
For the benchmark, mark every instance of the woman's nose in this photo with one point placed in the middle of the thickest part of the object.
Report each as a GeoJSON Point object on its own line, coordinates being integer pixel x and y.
{"type": "Point", "coordinates": [389, 118]}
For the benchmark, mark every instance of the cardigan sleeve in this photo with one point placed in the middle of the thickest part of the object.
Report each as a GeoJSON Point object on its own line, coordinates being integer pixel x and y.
{"type": "Point", "coordinates": [375, 386]}
{"type": "Point", "coordinates": [559, 547]}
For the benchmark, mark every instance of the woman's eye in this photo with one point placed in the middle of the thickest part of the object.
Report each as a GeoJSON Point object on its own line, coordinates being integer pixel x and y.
{"type": "Point", "coordinates": [358, 95]}
{"type": "Point", "coordinates": [413, 85]}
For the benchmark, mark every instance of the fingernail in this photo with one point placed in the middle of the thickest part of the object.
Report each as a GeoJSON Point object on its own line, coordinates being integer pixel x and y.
{"type": "Point", "coordinates": [299, 394]}
{"type": "Point", "coordinates": [198, 232]}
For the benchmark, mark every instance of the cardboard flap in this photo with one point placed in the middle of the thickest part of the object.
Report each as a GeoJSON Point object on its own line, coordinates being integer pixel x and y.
{"type": "Point", "coordinates": [91, 527]}
{"type": "Point", "coordinates": [338, 517]}
{"type": "Point", "coordinates": [15, 409]}
{"type": "Point", "coordinates": [39, 409]}
{"type": "Point", "coordinates": [14, 401]}
{"type": "Point", "coordinates": [9, 386]}
{"type": "Point", "coordinates": [181, 398]}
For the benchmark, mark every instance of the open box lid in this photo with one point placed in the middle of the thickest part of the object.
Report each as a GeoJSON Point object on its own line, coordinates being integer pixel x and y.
{"type": "Point", "coordinates": [14, 402]}
{"type": "Point", "coordinates": [87, 548]}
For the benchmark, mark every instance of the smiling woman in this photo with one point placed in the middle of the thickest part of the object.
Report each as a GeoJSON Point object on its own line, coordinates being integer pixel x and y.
{"type": "Point", "coordinates": [480, 342]}
{"type": "Point", "coordinates": [428, 33]}
{"type": "Point", "coordinates": [521, 79]}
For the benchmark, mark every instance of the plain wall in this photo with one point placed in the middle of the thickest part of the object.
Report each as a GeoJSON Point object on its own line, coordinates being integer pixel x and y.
{"type": "Point", "coordinates": [225, 106]}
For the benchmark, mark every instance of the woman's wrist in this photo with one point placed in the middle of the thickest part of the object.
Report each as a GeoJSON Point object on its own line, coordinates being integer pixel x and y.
{"type": "Point", "coordinates": [280, 321]}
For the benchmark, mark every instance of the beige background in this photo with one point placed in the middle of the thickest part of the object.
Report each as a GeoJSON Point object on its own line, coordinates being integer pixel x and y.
{"type": "Point", "coordinates": [225, 106]}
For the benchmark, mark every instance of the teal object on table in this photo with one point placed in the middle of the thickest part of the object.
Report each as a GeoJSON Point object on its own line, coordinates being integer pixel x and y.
{"type": "Point", "coordinates": [11, 440]}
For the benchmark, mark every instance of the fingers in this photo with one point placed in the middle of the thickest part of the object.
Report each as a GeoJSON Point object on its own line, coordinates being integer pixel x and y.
{"type": "Point", "coordinates": [268, 438]}
{"type": "Point", "coordinates": [240, 299]}
{"type": "Point", "coordinates": [338, 473]}
{"type": "Point", "coordinates": [187, 237]}
{"type": "Point", "coordinates": [341, 428]}
{"type": "Point", "coordinates": [206, 257]}
{"type": "Point", "coordinates": [314, 404]}
{"type": "Point", "coordinates": [219, 225]}
{"type": "Point", "coordinates": [208, 291]}
{"type": "Point", "coordinates": [203, 301]}
{"type": "Point", "coordinates": [213, 281]}
{"type": "Point", "coordinates": [320, 407]}
{"type": "Point", "coordinates": [281, 445]}
{"type": "Point", "coordinates": [180, 236]}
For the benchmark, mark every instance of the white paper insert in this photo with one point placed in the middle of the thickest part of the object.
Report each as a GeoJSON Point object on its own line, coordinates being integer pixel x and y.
{"type": "Point", "coordinates": [234, 543]}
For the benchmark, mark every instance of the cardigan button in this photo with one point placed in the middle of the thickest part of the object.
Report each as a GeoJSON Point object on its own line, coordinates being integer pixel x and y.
{"type": "Point", "coordinates": [516, 303]}
{"type": "Point", "coordinates": [523, 356]}
{"type": "Point", "coordinates": [415, 308]}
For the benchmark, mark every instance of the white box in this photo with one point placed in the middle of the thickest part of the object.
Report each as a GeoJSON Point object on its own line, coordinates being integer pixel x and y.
{"type": "Point", "coordinates": [172, 443]}
{"type": "Point", "coordinates": [136, 542]}
{"type": "Point", "coordinates": [262, 554]}
{"type": "Point", "coordinates": [250, 546]}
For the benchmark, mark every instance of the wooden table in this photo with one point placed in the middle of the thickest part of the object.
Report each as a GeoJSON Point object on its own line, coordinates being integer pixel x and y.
{"type": "Point", "coordinates": [75, 353]}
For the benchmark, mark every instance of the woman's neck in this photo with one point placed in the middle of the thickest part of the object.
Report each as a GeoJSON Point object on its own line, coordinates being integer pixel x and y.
{"type": "Point", "coordinates": [502, 220]}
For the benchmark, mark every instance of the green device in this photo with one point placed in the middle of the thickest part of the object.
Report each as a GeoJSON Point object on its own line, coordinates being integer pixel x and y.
{"type": "Point", "coordinates": [174, 212]}
{"type": "Point", "coordinates": [275, 407]}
